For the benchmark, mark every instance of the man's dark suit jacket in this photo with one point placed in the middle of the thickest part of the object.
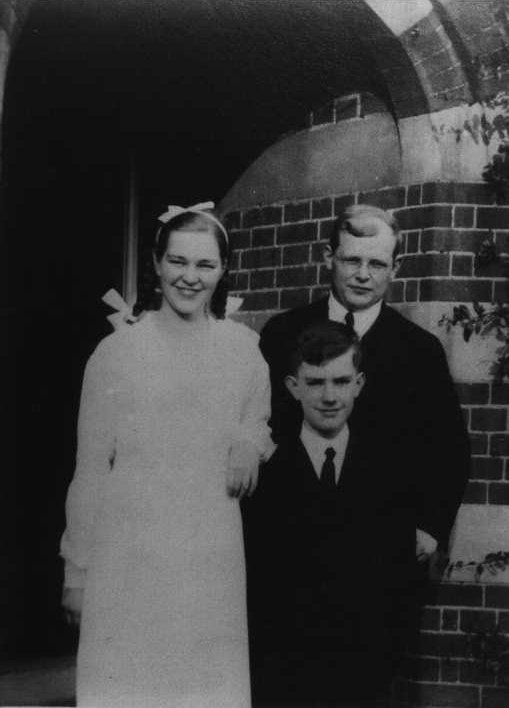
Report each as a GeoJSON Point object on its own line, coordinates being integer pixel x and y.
{"type": "Point", "coordinates": [408, 400]}
{"type": "Point", "coordinates": [331, 576]}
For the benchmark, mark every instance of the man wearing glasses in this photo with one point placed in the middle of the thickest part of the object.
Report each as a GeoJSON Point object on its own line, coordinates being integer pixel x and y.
{"type": "Point", "coordinates": [408, 396]}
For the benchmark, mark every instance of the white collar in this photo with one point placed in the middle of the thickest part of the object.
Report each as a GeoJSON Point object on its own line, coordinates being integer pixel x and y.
{"type": "Point", "coordinates": [362, 319]}
{"type": "Point", "coordinates": [316, 445]}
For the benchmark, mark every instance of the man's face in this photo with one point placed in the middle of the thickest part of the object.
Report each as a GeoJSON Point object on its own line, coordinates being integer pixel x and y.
{"type": "Point", "coordinates": [327, 393]}
{"type": "Point", "coordinates": [362, 267]}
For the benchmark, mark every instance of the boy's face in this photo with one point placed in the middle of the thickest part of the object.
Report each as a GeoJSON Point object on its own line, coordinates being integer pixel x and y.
{"type": "Point", "coordinates": [327, 393]}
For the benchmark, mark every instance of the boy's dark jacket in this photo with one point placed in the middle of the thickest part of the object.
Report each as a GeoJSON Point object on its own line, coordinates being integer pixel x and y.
{"type": "Point", "coordinates": [329, 573]}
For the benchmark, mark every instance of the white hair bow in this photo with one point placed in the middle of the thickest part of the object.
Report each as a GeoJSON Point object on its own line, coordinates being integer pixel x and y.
{"type": "Point", "coordinates": [174, 210]}
{"type": "Point", "coordinates": [124, 312]}
{"type": "Point", "coordinates": [201, 208]}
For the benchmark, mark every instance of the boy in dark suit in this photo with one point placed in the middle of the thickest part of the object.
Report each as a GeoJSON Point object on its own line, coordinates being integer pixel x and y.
{"type": "Point", "coordinates": [330, 542]}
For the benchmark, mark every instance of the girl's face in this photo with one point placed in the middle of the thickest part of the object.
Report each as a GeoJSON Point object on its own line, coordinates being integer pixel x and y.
{"type": "Point", "coordinates": [189, 271]}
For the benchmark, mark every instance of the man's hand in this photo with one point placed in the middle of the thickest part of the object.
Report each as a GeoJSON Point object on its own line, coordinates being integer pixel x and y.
{"type": "Point", "coordinates": [242, 473]}
{"type": "Point", "coordinates": [72, 602]}
{"type": "Point", "coordinates": [425, 545]}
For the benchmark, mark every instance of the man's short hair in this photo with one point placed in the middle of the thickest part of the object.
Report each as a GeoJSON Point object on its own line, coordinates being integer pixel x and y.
{"type": "Point", "coordinates": [349, 219]}
{"type": "Point", "coordinates": [320, 343]}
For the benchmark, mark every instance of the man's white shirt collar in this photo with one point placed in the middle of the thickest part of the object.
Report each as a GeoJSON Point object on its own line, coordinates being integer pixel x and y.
{"type": "Point", "coordinates": [316, 445]}
{"type": "Point", "coordinates": [362, 319]}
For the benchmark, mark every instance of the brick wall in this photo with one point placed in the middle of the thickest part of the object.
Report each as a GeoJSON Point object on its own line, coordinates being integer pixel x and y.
{"type": "Point", "coordinates": [277, 264]}
{"type": "Point", "coordinates": [448, 667]}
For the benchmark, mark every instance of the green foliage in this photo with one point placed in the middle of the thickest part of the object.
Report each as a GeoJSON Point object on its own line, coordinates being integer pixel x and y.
{"type": "Point", "coordinates": [496, 173]}
{"type": "Point", "coordinates": [491, 648]}
{"type": "Point", "coordinates": [491, 564]}
{"type": "Point", "coordinates": [492, 321]}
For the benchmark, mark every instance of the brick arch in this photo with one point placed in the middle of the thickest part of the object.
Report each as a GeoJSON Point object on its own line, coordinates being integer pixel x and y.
{"type": "Point", "coordinates": [459, 51]}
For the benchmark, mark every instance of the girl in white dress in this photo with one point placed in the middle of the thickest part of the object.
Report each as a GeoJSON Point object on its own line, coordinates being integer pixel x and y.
{"type": "Point", "coordinates": [172, 427]}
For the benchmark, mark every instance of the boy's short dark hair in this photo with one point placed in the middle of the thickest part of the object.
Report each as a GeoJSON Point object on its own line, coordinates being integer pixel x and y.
{"type": "Point", "coordinates": [323, 342]}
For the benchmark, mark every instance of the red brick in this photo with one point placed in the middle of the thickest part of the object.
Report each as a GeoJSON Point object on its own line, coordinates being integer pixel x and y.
{"type": "Point", "coordinates": [238, 281]}
{"type": "Point", "coordinates": [464, 290]}
{"type": "Point", "coordinates": [261, 258]}
{"type": "Point", "coordinates": [321, 208]}
{"type": "Point", "coordinates": [234, 260]}
{"type": "Point", "coordinates": [487, 468]}
{"type": "Point", "coordinates": [323, 275]}
{"type": "Point", "coordinates": [500, 393]}
{"type": "Point", "coordinates": [240, 239]}
{"type": "Point", "coordinates": [340, 203]}
{"type": "Point", "coordinates": [319, 294]}
{"type": "Point", "coordinates": [324, 114]}
{"type": "Point", "coordinates": [475, 672]}
{"type": "Point", "coordinates": [449, 670]}
{"type": "Point", "coordinates": [488, 418]}
{"type": "Point", "coordinates": [294, 297]}
{"type": "Point", "coordinates": [450, 620]}
{"type": "Point", "coordinates": [479, 443]}
{"type": "Point", "coordinates": [299, 211]}
{"type": "Point", "coordinates": [371, 104]}
{"type": "Point", "coordinates": [458, 595]}
{"type": "Point", "coordinates": [448, 695]}
{"type": "Point", "coordinates": [463, 217]}
{"type": "Point", "coordinates": [473, 393]}
{"type": "Point", "coordinates": [497, 596]}
{"type": "Point", "coordinates": [495, 217]}
{"type": "Point", "coordinates": [265, 236]}
{"type": "Point", "coordinates": [263, 216]}
{"type": "Point", "coordinates": [472, 621]}
{"type": "Point", "coordinates": [496, 269]}
{"type": "Point", "coordinates": [412, 242]}
{"type": "Point", "coordinates": [456, 193]}
{"type": "Point", "coordinates": [452, 240]}
{"type": "Point", "coordinates": [475, 493]}
{"type": "Point", "coordinates": [502, 241]}
{"type": "Point", "coordinates": [317, 252]}
{"type": "Point", "coordinates": [495, 697]}
{"type": "Point", "coordinates": [326, 230]}
{"type": "Point", "coordinates": [423, 217]}
{"type": "Point", "coordinates": [296, 277]}
{"type": "Point", "coordinates": [411, 291]}
{"type": "Point", "coordinates": [232, 220]}
{"type": "Point", "coordinates": [503, 620]}
{"type": "Point", "coordinates": [462, 265]}
{"type": "Point", "coordinates": [498, 493]}
{"type": "Point", "coordinates": [420, 668]}
{"type": "Point", "coordinates": [422, 265]}
{"type": "Point", "coordinates": [267, 300]}
{"type": "Point", "coordinates": [501, 291]}
{"type": "Point", "coordinates": [413, 196]}
{"type": "Point", "coordinates": [296, 255]}
{"type": "Point", "coordinates": [347, 107]}
{"type": "Point", "coordinates": [436, 644]}
{"type": "Point", "coordinates": [430, 618]}
{"type": "Point", "coordinates": [262, 279]}
{"type": "Point", "coordinates": [392, 198]}
{"type": "Point", "coordinates": [396, 291]}
{"type": "Point", "coordinates": [297, 233]}
{"type": "Point", "coordinates": [499, 445]}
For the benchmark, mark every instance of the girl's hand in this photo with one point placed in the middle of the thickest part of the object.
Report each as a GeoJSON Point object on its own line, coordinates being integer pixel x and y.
{"type": "Point", "coordinates": [72, 602]}
{"type": "Point", "coordinates": [242, 473]}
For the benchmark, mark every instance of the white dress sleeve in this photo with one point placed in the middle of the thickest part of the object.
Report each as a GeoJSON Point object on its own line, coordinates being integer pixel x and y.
{"type": "Point", "coordinates": [255, 410]}
{"type": "Point", "coordinates": [95, 453]}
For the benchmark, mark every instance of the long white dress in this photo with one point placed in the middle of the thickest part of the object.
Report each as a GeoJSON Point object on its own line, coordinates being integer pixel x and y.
{"type": "Point", "coordinates": [151, 533]}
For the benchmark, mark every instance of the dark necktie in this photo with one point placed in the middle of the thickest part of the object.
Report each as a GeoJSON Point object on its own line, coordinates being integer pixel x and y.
{"type": "Point", "coordinates": [328, 475]}
{"type": "Point", "coordinates": [349, 321]}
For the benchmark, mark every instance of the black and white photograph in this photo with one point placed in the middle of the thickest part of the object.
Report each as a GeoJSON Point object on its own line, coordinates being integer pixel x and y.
{"type": "Point", "coordinates": [255, 381]}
